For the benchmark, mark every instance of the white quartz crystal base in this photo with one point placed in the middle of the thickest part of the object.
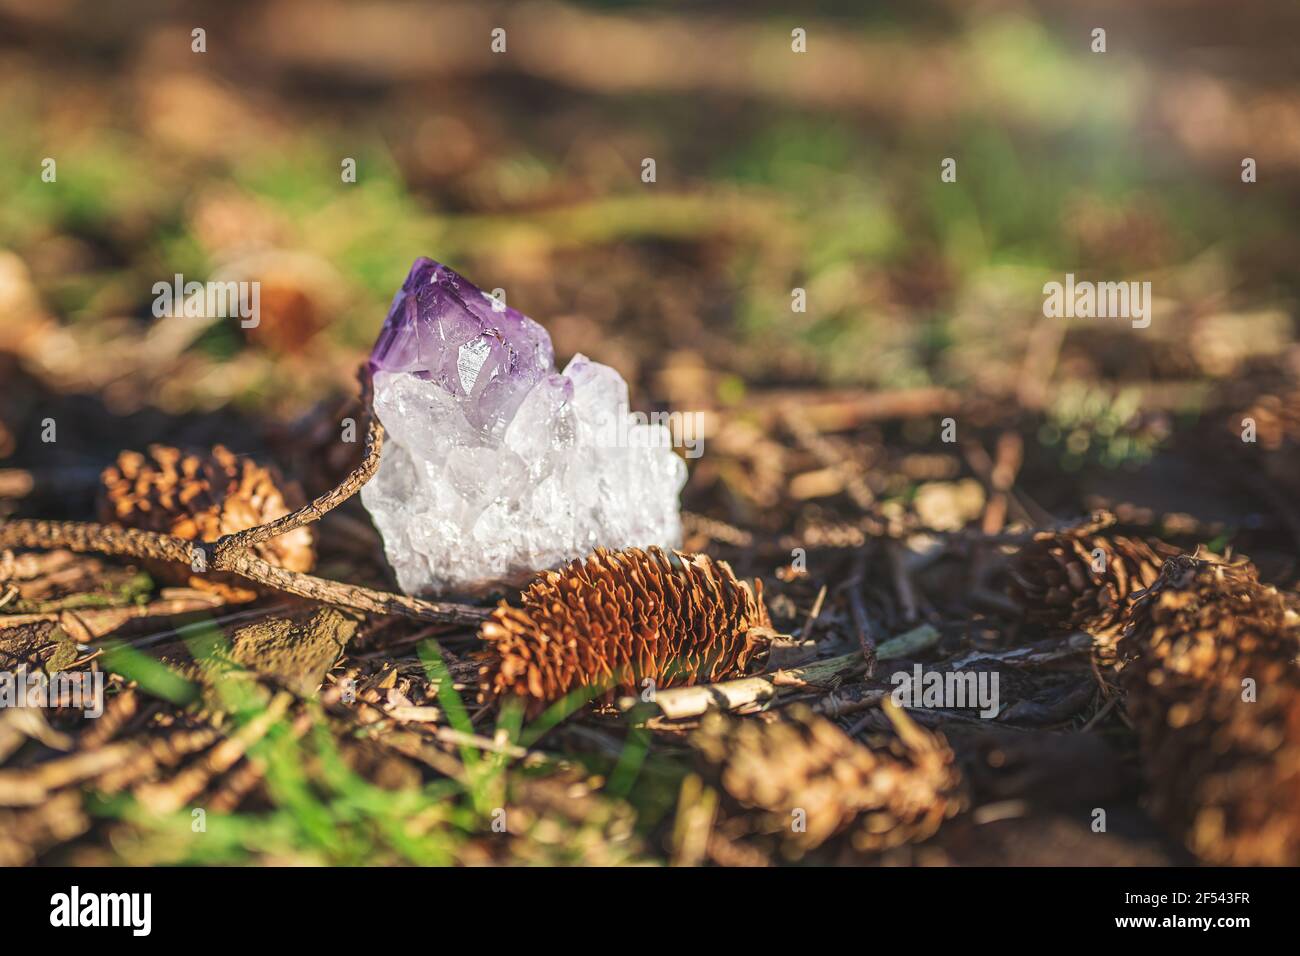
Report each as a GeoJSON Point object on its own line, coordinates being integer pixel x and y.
{"type": "Point", "coordinates": [463, 512]}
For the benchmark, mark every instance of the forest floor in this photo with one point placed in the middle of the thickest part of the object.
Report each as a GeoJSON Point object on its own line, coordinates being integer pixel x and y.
{"type": "Point", "coordinates": [877, 460]}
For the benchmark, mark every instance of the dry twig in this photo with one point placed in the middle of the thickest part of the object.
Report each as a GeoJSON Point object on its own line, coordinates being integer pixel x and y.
{"type": "Point", "coordinates": [233, 552]}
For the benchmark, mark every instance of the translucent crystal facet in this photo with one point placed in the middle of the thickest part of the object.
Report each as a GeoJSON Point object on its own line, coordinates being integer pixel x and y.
{"type": "Point", "coordinates": [496, 465]}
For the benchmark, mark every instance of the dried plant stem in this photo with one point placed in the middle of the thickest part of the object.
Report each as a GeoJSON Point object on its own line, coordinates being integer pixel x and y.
{"type": "Point", "coordinates": [170, 795]}
{"type": "Point", "coordinates": [349, 486]}
{"type": "Point", "coordinates": [29, 787]}
{"type": "Point", "coordinates": [716, 530]}
{"type": "Point", "coordinates": [829, 456]}
{"type": "Point", "coordinates": [678, 702]}
{"type": "Point", "coordinates": [128, 542]}
{"type": "Point", "coordinates": [903, 585]}
{"type": "Point", "coordinates": [351, 595]}
{"type": "Point", "coordinates": [233, 552]}
{"type": "Point", "coordinates": [87, 536]}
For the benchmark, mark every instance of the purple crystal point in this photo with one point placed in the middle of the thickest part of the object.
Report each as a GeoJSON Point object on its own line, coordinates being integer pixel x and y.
{"type": "Point", "coordinates": [496, 464]}
{"type": "Point", "coordinates": [441, 327]}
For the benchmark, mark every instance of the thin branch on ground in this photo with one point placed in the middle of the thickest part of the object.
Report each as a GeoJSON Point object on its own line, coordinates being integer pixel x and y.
{"type": "Point", "coordinates": [233, 553]}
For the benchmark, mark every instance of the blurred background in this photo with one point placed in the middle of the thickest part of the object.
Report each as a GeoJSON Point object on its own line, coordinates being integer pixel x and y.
{"type": "Point", "coordinates": [774, 171]}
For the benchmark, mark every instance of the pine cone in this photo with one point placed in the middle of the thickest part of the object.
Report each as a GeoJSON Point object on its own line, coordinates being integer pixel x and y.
{"type": "Point", "coordinates": [619, 617]}
{"type": "Point", "coordinates": [898, 790]}
{"type": "Point", "coordinates": [1054, 577]}
{"type": "Point", "coordinates": [1222, 770]}
{"type": "Point", "coordinates": [202, 497]}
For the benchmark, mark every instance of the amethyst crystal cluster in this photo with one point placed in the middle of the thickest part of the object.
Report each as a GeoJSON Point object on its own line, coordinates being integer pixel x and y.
{"type": "Point", "coordinates": [497, 465]}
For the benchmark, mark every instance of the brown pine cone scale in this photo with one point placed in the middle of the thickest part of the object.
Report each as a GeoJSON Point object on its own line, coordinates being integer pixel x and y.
{"type": "Point", "coordinates": [1079, 580]}
{"type": "Point", "coordinates": [1213, 688]}
{"type": "Point", "coordinates": [201, 497]}
{"type": "Point", "coordinates": [808, 781]}
{"type": "Point", "coordinates": [619, 617]}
